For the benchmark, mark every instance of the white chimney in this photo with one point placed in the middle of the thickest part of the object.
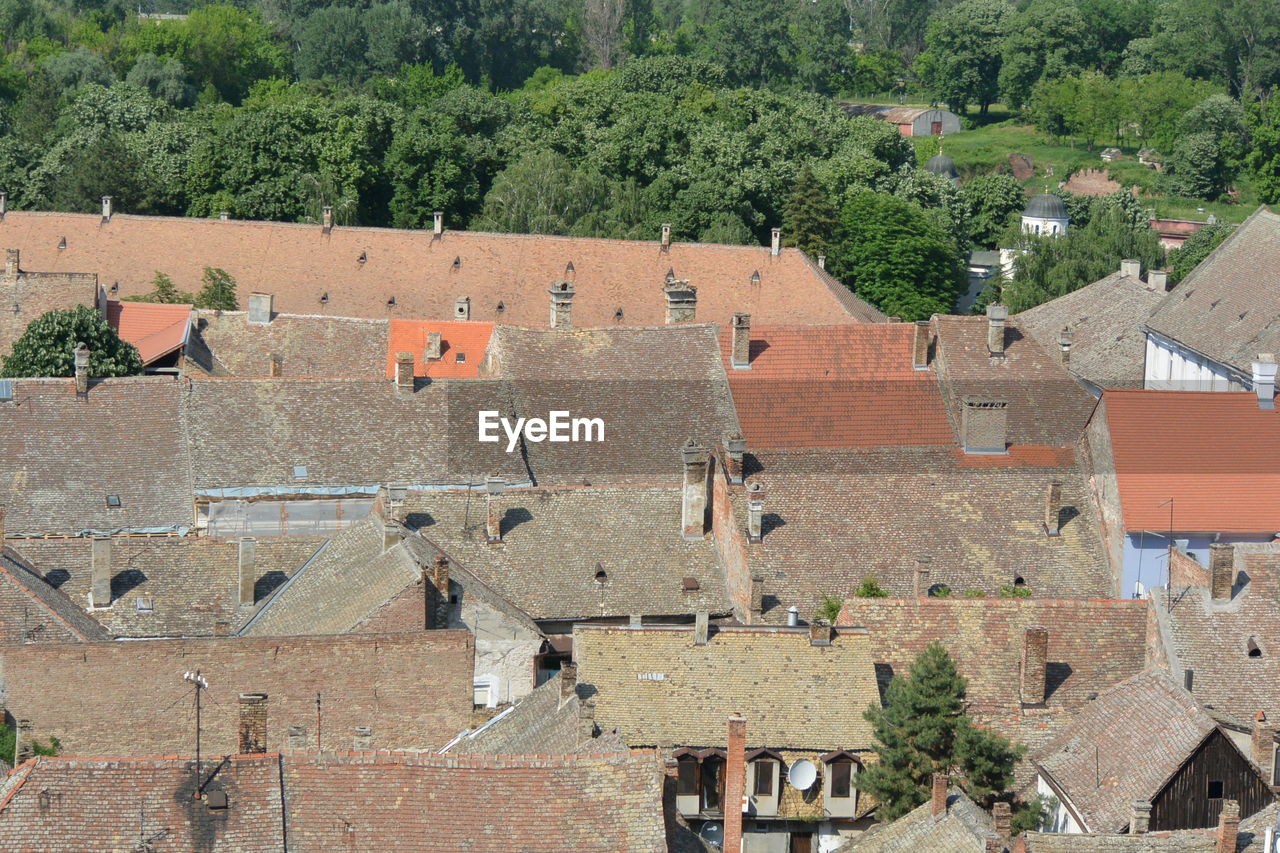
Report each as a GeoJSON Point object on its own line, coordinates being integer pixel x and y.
{"type": "Point", "coordinates": [437, 227]}
{"type": "Point", "coordinates": [996, 316]}
{"type": "Point", "coordinates": [106, 208]}
{"type": "Point", "coordinates": [434, 347]}
{"type": "Point", "coordinates": [1158, 280]}
{"type": "Point", "coordinates": [776, 247]}
{"type": "Point", "coordinates": [260, 305]}
{"type": "Point", "coordinates": [1264, 380]}
{"type": "Point", "coordinates": [1130, 266]}
{"type": "Point", "coordinates": [666, 235]}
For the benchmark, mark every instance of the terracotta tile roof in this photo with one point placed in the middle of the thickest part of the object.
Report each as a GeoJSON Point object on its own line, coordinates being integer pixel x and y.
{"type": "Point", "coordinates": [1183, 841]}
{"type": "Point", "coordinates": [129, 698]}
{"type": "Point", "coordinates": [657, 687]}
{"type": "Point", "coordinates": [1226, 308]}
{"type": "Point", "coordinates": [155, 329]}
{"type": "Point", "coordinates": [1124, 746]}
{"type": "Point", "coordinates": [965, 828]}
{"type": "Point", "coordinates": [1216, 454]}
{"type": "Point", "coordinates": [832, 519]}
{"type": "Point", "coordinates": [32, 294]}
{"type": "Point", "coordinates": [1108, 347]}
{"type": "Point", "coordinates": [465, 339]}
{"type": "Point", "coordinates": [1212, 638]}
{"type": "Point", "coordinates": [226, 344]}
{"type": "Point", "coordinates": [192, 583]}
{"type": "Point", "coordinates": [1046, 405]}
{"type": "Point", "coordinates": [555, 541]}
{"type": "Point", "coordinates": [61, 456]}
{"type": "Point", "coordinates": [300, 264]}
{"type": "Point", "coordinates": [835, 386]}
{"type": "Point", "coordinates": [32, 611]}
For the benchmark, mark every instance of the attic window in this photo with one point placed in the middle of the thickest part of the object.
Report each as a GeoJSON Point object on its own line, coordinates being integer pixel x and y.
{"type": "Point", "coordinates": [143, 604]}
{"type": "Point", "coordinates": [1215, 789]}
{"type": "Point", "coordinates": [1019, 581]}
{"type": "Point", "coordinates": [617, 315]}
{"type": "Point", "coordinates": [216, 799]}
{"type": "Point", "coordinates": [299, 472]}
{"type": "Point", "coordinates": [457, 262]}
{"type": "Point", "coordinates": [324, 297]}
{"type": "Point", "coordinates": [755, 277]}
{"type": "Point", "coordinates": [391, 303]}
{"type": "Point", "coordinates": [62, 244]}
{"type": "Point", "coordinates": [1254, 651]}
{"type": "Point", "coordinates": [113, 501]}
{"type": "Point", "coordinates": [460, 358]}
{"type": "Point", "coordinates": [568, 268]}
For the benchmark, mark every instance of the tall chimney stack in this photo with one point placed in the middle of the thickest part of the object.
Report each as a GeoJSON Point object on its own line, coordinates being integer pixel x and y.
{"type": "Point", "coordinates": [1140, 817]}
{"type": "Point", "coordinates": [1053, 508]}
{"type": "Point", "coordinates": [4, 204]}
{"type": "Point", "coordinates": [693, 504]}
{"type": "Point", "coordinates": [81, 355]}
{"type": "Point", "coordinates": [755, 513]}
{"type": "Point", "coordinates": [404, 372]}
{"type": "Point", "coordinates": [1035, 661]}
{"type": "Point", "coordinates": [1158, 280]}
{"type": "Point", "coordinates": [568, 682]}
{"type": "Point", "coordinates": [494, 487]}
{"type": "Point", "coordinates": [921, 576]}
{"type": "Point", "coordinates": [735, 783]}
{"type": "Point", "coordinates": [253, 723]}
{"type": "Point", "coordinates": [1222, 570]}
{"type": "Point", "coordinates": [106, 208]}
{"type": "Point", "coordinates": [735, 453]}
{"type": "Point", "coordinates": [435, 347]}
{"type": "Point", "coordinates": [561, 304]}
{"type": "Point", "coordinates": [1131, 267]}
{"type": "Point", "coordinates": [757, 598]}
{"type": "Point", "coordinates": [984, 425]}
{"type": "Point", "coordinates": [666, 236]}
{"type": "Point", "coordinates": [938, 795]}
{"type": "Point", "coordinates": [682, 301]}
{"type": "Point", "coordinates": [997, 314]}
{"type": "Point", "coordinates": [1228, 827]}
{"type": "Point", "coordinates": [437, 223]}
{"type": "Point", "coordinates": [740, 357]}
{"type": "Point", "coordinates": [1264, 380]}
{"type": "Point", "coordinates": [260, 307]}
{"type": "Point", "coordinates": [248, 559]}
{"type": "Point", "coordinates": [1001, 818]}
{"type": "Point", "coordinates": [822, 262]}
{"type": "Point", "coordinates": [701, 628]}
{"type": "Point", "coordinates": [1264, 745]}
{"type": "Point", "coordinates": [326, 219]}
{"type": "Point", "coordinates": [1064, 347]}
{"type": "Point", "coordinates": [100, 572]}
{"type": "Point", "coordinates": [11, 267]}
{"type": "Point", "coordinates": [437, 598]}
{"type": "Point", "coordinates": [920, 345]}
{"type": "Point", "coordinates": [775, 247]}
{"type": "Point", "coordinates": [462, 308]}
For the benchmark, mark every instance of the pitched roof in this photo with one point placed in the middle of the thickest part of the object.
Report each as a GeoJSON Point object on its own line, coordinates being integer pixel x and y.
{"type": "Point", "coordinates": [888, 112]}
{"type": "Point", "coordinates": [965, 828]}
{"type": "Point", "coordinates": [658, 687]}
{"type": "Point", "coordinates": [32, 611]}
{"type": "Point", "coordinates": [1226, 307]}
{"type": "Point", "coordinates": [360, 269]}
{"type": "Point", "coordinates": [1212, 638]}
{"type": "Point", "coordinates": [226, 344]}
{"type": "Point", "coordinates": [1184, 841]}
{"type": "Point", "coordinates": [832, 519]}
{"type": "Point", "coordinates": [556, 541]}
{"type": "Point", "coordinates": [1046, 405]}
{"type": "Point", "coordinates": [1124, 746]}
{"type": "Point", "coordinates": [1217, 455]}
{"type": "Point", "coordinates": [462, 347]}
{"type": "Point", "coordinates": [835, 386]}
{"type": "Point", "coordinates": [61, 456]}
{"type": "Point", "coordinates": [130, 698]}
{"type": "Point", "coordinates": [31, 294]}
{"type": "Point", "coordinates": [192, 583]}
{"type": "Point", "coordinates": [155, 329]}
{"type": "Point", "coordinates": [1108, 347]}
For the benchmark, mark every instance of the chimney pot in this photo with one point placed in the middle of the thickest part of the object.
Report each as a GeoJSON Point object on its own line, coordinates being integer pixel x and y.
{"type": "Point", "coordinates": [462, 308]}
{"type": "Point", "coordinates": [984, 426]}
{"type": "Point", "coordinates": [435, 345]}
{"type": "Point", "coordinates": [253, 723]}
{"type": "Point", "coordinates": [568, 681]}
{"type": "Point", "coordinates": [920, 345]}
{"type": "Point", "coordinates": [1035, 658]}
{"type": "Point", "coordinates": [248, 570]}
{"type": "Point", "coordinates": [693, 504]}
{"type": "Point", "coordinates": [775, 247]}
{"type": "Point", "coordinates": [735, 451]}
{"type": "Point", "coordinates": [326, 219]}
{"type": "Point", "coordinates": [666, 235]}
{"type": "Point", "coordinates": [757, 597]}
{"type": "Point", "coordinates": [682, 301]}
{"type": "Point", "coordinates": [1264, 380]}
{"type": "Point", "coordinates": [922, 576]}
{"type": "Point", "coordinates": [1053, 509]}
{"type": "Point", "coordinates": [260, 307]}
{"type": "Point", "coordinates": [735, 783]}
{"type": "Point", "coordinates": [82, 368]}
{"type": "Point", "coordinates": [819, 632]}
{"type": "Point", "coordinates": [1131, 267]}
{"type": "Point", "coordinates": [437, 223]}
{"type": "Point", "coordinates": [106, 208]}
{"type": "Point", "coordinates": [11, 267]}
{"type": "Point", "coordinates": [1158, 280]}
{"type": "Point", "coordinates": [223, 216]}
{"type": "Point", "coordinates": [1228, 827]}
{"type": "Point", "coordinates": [755, 513]}
{"type": "Point", "coordinates": [939, 795]}
{"type": "Point", "coordinates": [793, 617]}
{"type": "Point", "coordinates": [100, 572]}
{"type": "Point", "coordinates": [404, 372]}
{"type": "Point", "coordinates": [1001, 816]}
{"type": "Point", "coordinates": [1221, 570]}
{"type": "Point", "coordinates": [701, 628]}
{"type": "Point", "coordinates": [997, 314]}
{"type": "Point", "coordinates": [561, 304]}
{"type": "Point", "coordinates": [740, 357]}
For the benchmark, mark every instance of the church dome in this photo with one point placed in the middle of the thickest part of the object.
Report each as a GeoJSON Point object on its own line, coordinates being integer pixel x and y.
{"type": "Point", "coordinates": [941, 164]}
{"type": "Point", "coordinates": [1046, 206]}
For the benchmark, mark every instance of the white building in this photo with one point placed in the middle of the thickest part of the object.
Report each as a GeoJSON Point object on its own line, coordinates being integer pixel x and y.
{"type": "Point", "coordinates": [1045, 214]}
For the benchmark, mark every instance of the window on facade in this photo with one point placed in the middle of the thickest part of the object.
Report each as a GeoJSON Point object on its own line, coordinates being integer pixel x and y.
{"type": "Point", "coordinates": [1215, 789]}
{"type": "Point", "coordinates": [841, 778]}
{"type": "Point", "coordinates": [764, 779]}
{"type": "Point", "coordinates": [1275, 767]}
{"type": "Point", "coordinates": [687, 777]}
{"type": "Point", "coordinates": [712, 784]}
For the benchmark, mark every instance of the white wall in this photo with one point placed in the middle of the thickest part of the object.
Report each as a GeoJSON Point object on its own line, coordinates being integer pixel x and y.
{"type": "Point", "coordinates": [1173, 367]}
{"type": "Point", "coordinates": [505, 650]}
{"type": "Point", "coordinates": [1062, 821]}
{"type": "Point", "coordinates": [1038, 225]}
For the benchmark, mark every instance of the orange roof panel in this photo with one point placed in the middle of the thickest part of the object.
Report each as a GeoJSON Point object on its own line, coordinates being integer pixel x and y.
{"type": "Point", "coordinates": [462, 348]}
{"type": "Point", "coordinates": [156, 329]}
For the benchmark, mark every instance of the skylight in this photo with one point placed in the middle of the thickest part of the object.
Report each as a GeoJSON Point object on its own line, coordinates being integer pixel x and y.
{"type": "Point", "coordinates": [299, 472]}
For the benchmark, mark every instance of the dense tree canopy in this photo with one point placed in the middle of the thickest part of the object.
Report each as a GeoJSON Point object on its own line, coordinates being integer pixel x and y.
{"type": "Point", "coordinates": [47, 347]}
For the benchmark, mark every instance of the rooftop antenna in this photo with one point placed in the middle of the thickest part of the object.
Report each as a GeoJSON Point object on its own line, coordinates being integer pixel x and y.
{"type": "Point", "coordinates": [1168, 590]}
{"type": "Point", "coordinates": [200, 683]}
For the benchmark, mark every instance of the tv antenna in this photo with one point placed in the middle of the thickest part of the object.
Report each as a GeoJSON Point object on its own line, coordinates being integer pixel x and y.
{"type": "Point", "coordinates": [195, 678]}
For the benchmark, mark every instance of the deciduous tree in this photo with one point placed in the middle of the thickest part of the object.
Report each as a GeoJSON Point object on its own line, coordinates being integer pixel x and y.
{"type": "Point", "coordinates": [48, 345]}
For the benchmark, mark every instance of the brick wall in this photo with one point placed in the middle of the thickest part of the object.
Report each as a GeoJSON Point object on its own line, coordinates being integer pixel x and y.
{"type": "Point", "coordinates": [36, 293]}
{"type": "Point", "coordinates": [1094, 450]}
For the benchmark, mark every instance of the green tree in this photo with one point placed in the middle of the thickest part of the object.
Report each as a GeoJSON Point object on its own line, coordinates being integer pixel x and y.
{"type": "Point", "coordinates": [829, 608]}
{"type": "Point", "coordinates": [164, 290]}
{"type": "Point", "coordinates": [331, 44]}
{"type": "Point", "coordinates": [47, 346]}
{"type": "Point", "coordinates": [1197, 167]}
{"type": "Point", "coordinates": [1195, 249]}
{"type": "Point", "coordinates": [541, 193]}
{"type": "Point", "coordinates": [870, 588]}
{"type": "Point", "coordinates": [992, 200]}
{"type": "Point", "coordinates": [923, 729]}
{"type": "Point", "coordinates": [809, 220]}
{"type": "Point", "coordinates": [961, 64]}
{"type": "Point", "coordinates": [217, 290]}
{"type": "Point", "coordinates": [892, 255]}
{"type": "Point", "coordinates": [1046, 40]}
{"type": "Point", "coordinates": [165, 79]}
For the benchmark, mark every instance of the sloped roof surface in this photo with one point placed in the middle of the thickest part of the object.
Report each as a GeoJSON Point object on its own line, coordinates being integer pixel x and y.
{"type": "Point", "coordinates": [32, 611]}
{"type": "Point", "coordinates": [226, 344]}
{"type": "Point", "coordinates": [542, 723]}
{"type": "Point", "coordinates": [155, 329]}
{"type": "Point", "coordinates": [462, 347]}
{"type": "Point", "coordinates": [965, 828]}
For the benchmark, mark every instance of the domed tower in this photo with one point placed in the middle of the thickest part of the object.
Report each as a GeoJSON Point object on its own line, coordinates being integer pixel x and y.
{"type": "Point", "coordinates": [1045, 214]}
{"type": "Point", "coordinates": [943, 166]}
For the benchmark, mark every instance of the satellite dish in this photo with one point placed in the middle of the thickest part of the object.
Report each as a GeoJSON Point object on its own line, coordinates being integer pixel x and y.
{"type": "Point", "coordinates": [713, 832]}
{"type": "Point", "coordinates": [802, 774]}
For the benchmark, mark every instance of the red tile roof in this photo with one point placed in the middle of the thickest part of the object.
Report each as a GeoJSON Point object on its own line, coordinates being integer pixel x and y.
{"type": "Point", "coordinates": [155, 329]}
{"type": "Point", "coordinates": [1216, 454]}
{"type": "Point", "coordinates": [835, 386]}
{"type": "Point", "coordinates": [465, 338]}
{"type": "Point", "coordinates": [358, 271]}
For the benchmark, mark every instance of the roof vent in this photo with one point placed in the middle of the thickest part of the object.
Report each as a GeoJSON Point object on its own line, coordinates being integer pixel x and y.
{"type": "Point", "coordinates": [691, 585]}
{"type": "Point", "coordinates": [216, 800]}
{"type": "Point", "coordinates": [617, 315]}
{"type": "Point", "coordinates": [364, 256]}
{"type": "Point", "coordinates": [391, 303]}
{"type": "Point", "coordinates": [755, 277]}
{"type": "Point", "coordinates": [601, 574]}
{"type": "Point", "coordinates": [457, 262]}
{"type": "Point", "coordinates": [62, 244]}
{"type": "Point", "coordinates": [1254, 651]}
{"type": "Point", "coordinates": [568, 268]}
{"type": "Point", "coordinates": [324, 298]}
{"type": "Point", "coordinates": [502, 306]}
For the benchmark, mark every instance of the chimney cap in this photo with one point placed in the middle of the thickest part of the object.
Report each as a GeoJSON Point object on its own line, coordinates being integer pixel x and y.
{"type": "Point", "coordinates": [996, 311]}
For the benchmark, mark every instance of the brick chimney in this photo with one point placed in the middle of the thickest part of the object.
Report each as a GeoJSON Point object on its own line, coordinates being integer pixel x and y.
{"type": "Point", "coordinates": [1264, 380]}
{"type": "Point", "coordinates": [938, 795]}
{"type": "Point", "coordinates": [404, 372]}
{"type": "Point", "coordinates": [1228, 827]}
{"type": "Point", "coordinates": [1064, 347]}
{"type": "Point", "coordinates": [1158, 280]}
{"type": "Point", "coordinates": [1264, 745]}
{"type": "Point", "coordinates": [106, 208]}
{"type": "Point", "coordinates": [1035, 658]}
{"type": "Point", "coordinates": [11, 266]}
{"type": "Point", "coordinates": [755, 513]}
{"type": "Point", "coordinates": [920, 345]}
{"type": "Point", "coordinates": [1053, 508]}
{"type": "Point", "coordinates": [586, 720]}
{"type": "Point", "coordinates": [984, 425]}
{"type": "Point", "coordinates": [297, 737]}
{"type": "Point", "coordinates": [1131, 267]}
{"type": "Point", "coordinates": [819, 632]}
{"type": "Point", "coordinates": [437, 602]}
{"type": "Point", "coordinates": [757, 598]}
{"type": "Point", "coordinates": [391, 535]}
{"type": "Point", "coordinates": [735, 783]}
{"type": "Point", "coordinates": [253, 723]}
{"type": "Point", "coordinates": [494, 487]}
{"type": "Point", "coordinates": [693, 503]}
{"type": "Point", "coordinates": [1222, 570]}
{"type": "Point", "coordinates": [437, 223]}
{"type": "Point", "coordinates": [1001, 816]}
{"type": "Point", "coordinates": [100, 573]}
{"type": "Point", "coordinates": [248, 570]}
{"type": "Point", "coordinates": [277, 364]}
{"type": "Point", "coordinates": [435, 347]}
{"type": "Point", "coordinates": [260, 305]}
{"type": "Point", "coordinates": [735, 451]}
{"type": "Point", "coordinates": [701, 628]}
{"type": "Point", "coordinates": [666, 236]}
{"type": "Point", "coordinates": [81, 355]}
{"type": "Point", "coordinates": [682, 300]}
{"type": "Point", "coordinates": [1139, 817]}
{"type": "Point", "coordinates": [920, 577]}
{"type": "Point", "coordinates": [997, 314]}
{"type": "Point", "coordinates": [740, 357]}
{"type": "Point", "coordinates": [462, 308]}
{"type": "Point", "coordinates": [568, 682]}
{"type": "Point", "coordinates": [561, 304]}
{"type": "Point", "coordinates": [775, 244]}
{"type": "Point", "coordinates": [326, 219]}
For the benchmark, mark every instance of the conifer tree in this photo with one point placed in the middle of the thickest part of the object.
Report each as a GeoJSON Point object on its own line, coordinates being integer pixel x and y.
{"type": "Point", "coordinates": [923, 729]}
{"type": "Point", "coordinates": [809, 219]}
{"type": "Point", "coordinates": [219, 290]}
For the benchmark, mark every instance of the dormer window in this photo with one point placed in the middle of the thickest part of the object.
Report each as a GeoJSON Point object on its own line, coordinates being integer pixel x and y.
{"type": "Point", "coordinates": [837, 783]}
{"type": "Point", "coordinates": [841, 772]}
{"type": "Point", "coordinates": [700, 781]}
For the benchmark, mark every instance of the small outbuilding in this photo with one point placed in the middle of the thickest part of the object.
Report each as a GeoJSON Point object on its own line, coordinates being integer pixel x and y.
{"type": "Point", "coordinates": [911, 121]}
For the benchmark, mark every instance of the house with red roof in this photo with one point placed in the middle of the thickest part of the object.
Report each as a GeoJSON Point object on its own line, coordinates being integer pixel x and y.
{"type": "Point", "coordinates": [159, 330]}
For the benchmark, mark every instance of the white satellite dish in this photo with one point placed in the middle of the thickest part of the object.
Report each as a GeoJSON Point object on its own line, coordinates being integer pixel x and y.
{"type": "Point", "coordinates": [713, 832]}
{"type": "Point", "coordinates": [803, 774]}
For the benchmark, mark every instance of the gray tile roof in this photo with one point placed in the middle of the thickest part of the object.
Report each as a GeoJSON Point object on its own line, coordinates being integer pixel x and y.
{"type": "Point", "coordinates": [1108, 347]}
{"type": "Point", "coordinates": [224, 343]}
{"type": "Point", "coordinates": [32, 611]}
{"type": "Point", "coordinates": [1227, 307]}
{"type": "Point", "coordinates": [965, 828]}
